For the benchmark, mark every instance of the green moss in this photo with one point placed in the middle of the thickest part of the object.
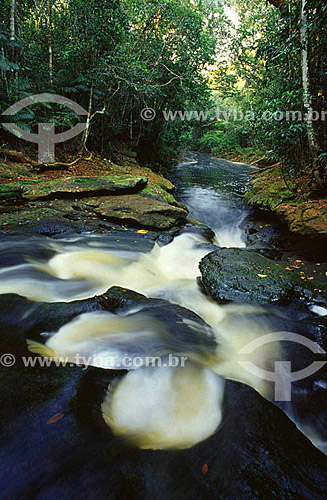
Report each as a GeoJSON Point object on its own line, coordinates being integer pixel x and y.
{"type": "Point", "coordinates": [269, 190]}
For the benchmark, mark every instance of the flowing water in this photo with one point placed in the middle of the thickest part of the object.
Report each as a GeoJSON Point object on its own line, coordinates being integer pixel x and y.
{"type": "Point", "coordinates": [158, 407]}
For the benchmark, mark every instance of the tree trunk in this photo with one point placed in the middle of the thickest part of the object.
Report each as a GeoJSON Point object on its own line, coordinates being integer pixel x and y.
{"type": "Point", "coordinates": [307, 101]}
{"type": "Point", "coordinates": [50, 60]}
{"type": "Point", "coordinates": [12, 19]}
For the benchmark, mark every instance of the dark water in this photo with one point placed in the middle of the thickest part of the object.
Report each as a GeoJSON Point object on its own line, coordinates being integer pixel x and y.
{"type": "Point", "coordinates": [213, 190]}
{"type": "Point", "coordinates": [77, 457]}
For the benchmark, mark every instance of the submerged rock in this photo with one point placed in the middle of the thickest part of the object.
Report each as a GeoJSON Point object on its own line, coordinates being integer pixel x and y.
{"type": "Point", "coordinates": [25, 319]}
{"type": "Point", "coordinates": [233, 274]}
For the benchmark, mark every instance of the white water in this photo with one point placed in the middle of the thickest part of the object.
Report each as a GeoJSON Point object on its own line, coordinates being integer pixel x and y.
{"type": "Point", "coordinates": [155, 408]}
{"type": "Point", "coordinates": [159, 407]}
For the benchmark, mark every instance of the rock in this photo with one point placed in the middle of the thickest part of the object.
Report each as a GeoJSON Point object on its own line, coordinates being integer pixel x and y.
{"type": "Point", "coordinates": [196, 227]}
{"type": "Point", "coordinates": [308, 218]}
{"type": "Point", "coordinates": [141, 211]}
{"type": "Point", "coordinates": [268, 190]}
{"type": "Point", "coordinates": [10, 191]}
{"type": "Point", "coordinates": [256, 453]}
{"type": "Point", "coordinates": [304, 217]}
{"type": "Point", "coordinates": [233, 274]}
{"type": "Point", "coordinates": [187, 328]}
{"type": "Point", "coordinates": [81, 186]}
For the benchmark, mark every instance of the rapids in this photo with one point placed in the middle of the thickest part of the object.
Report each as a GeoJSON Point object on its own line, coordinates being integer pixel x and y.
{"type": "Point", "coordinates": [157, 407]}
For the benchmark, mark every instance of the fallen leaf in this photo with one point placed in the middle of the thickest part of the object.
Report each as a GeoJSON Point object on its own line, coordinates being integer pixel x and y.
{"type": "Point", "coordinates": [262, 275]}
{"type": "Point", "coordinates": [55, 418]}
{"type": "Point", "coordinates": [142, 231]}
{"type": "Point", "coordinates": [205, 469]}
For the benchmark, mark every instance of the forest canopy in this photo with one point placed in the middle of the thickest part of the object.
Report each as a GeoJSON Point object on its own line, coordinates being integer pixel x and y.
{"type": "Point", "coordinates": [118, 57]}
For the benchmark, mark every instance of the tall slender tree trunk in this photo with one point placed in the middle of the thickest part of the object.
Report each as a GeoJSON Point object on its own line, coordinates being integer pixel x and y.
{"type": "Point", "coordinates": [307, 100]}
{"type": "Point", "coordinates": [12, 19]}
{"type": "Point", "coordinates": [50, 55]}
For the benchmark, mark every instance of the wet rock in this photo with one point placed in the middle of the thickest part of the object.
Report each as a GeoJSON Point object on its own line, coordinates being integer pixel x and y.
{"type": "Point", "coordinates": [22, 318]}
{"type": "Point", "coordinates": [233, 274]}
{"type": "Point", "coordinates": [141, 211]}
{"type": "Point", "coordinates": [196, 227]}
{"type": "Point", "coordinates": [256, 453]}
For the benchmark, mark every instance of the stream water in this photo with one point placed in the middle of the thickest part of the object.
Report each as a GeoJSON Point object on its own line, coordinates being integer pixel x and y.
{"type": "Point", "coordinates": [153, 404]}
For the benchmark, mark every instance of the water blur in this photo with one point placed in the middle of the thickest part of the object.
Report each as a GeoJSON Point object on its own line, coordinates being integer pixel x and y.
{"type": "Point", "coordinates": [154, 407]}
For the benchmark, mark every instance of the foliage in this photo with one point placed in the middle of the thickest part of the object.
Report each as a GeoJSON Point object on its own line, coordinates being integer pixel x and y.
{"type": "Point", "coordinates": [116, 56]}
{"type": "Point", "coordinates": [259, 70]}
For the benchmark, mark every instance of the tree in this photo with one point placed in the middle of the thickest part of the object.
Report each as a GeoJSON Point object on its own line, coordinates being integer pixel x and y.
{"type": "Point", "coordinates": [50, 42]}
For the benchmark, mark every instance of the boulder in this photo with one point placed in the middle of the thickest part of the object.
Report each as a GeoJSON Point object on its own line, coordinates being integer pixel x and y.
{"type": "Point", "coordinates": [80, 186]}
{"type": "Point", "coordinates": [233, 274]}
{"type": "Point", "coordinates": [256, 453]}
{"type": "Point", "coordinates": [305, 217]}
{"type": "Point", "coordinates": [308, 218]}
{"type": "Point", "coordinates": [139, 210]}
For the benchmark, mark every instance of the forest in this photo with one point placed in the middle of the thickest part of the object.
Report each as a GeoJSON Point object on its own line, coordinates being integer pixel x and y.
{"type": "Point", "coordinates": [119, 57]}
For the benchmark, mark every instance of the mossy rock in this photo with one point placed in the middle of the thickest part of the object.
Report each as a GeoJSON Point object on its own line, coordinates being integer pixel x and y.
{"type": "Point", "coordinates": [308, 218]}
{"type": "Point", "coordinates": [269, 190]}
{"type": "Point", "coordinates": [233, 274]}
{"type": "Point", "coordinates": [10, 191]}
{"type": "Point", "coordinates": [78, 186]}
{"type": "Point", "coordinates": [139, 210]}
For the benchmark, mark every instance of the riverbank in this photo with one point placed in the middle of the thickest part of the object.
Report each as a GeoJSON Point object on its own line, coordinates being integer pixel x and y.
{"type": "Point", "coordinates": [85, 194]}
{"type": "Point", "coordinates": [271, 192]}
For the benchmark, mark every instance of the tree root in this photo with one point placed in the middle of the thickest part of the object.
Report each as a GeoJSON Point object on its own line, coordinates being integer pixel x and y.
{"type": "Point", "coordinates": [266, 168]}
{"type": "Point", "coordinates": [22, 158]}
{"type": "Point", "coordinates": [61, 164]}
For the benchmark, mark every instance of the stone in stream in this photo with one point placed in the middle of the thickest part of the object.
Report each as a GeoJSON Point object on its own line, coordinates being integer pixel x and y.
{"type": "Point", "coordinates": [24, 319]}
{"type": "Point", "coordinates": [144, 211]}
{"type": "Point", "coordinates": [234, 274]}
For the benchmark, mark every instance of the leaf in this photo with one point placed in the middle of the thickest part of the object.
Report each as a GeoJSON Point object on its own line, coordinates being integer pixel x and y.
{"type": "Point", "coordinates": [205, 469]}
{"type": "Point", "coordinates": [55, 418]}
{"type": "Point", "coordinates": [142, 231]}
{"type": "Point", "coordinates": [262, 275]}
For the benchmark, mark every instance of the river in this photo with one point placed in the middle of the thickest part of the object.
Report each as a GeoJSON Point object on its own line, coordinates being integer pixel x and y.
{"type": "Point", "coordinates": [81, 266]}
